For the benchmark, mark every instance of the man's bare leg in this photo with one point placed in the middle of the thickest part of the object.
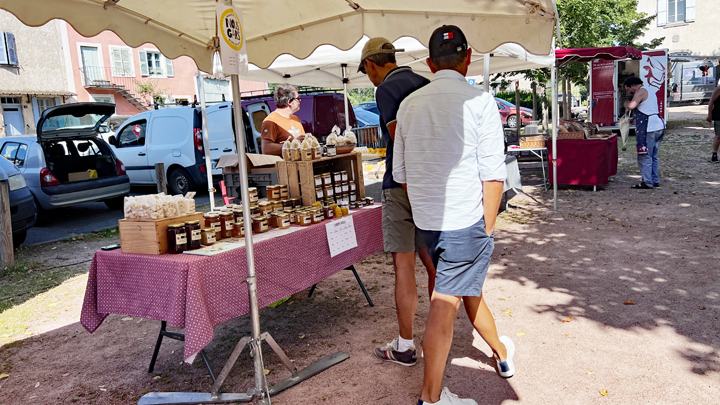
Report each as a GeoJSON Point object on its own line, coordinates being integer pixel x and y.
{"type": "Point", "coordinates": [483, 321]}
{"type": "Point", "coordinates": [406, 299]}
{"type": "Point", "coordinates": [428, 263]}
{"type": "Point", "coordinates": [437, 342]}
{"type": "Point", "coordinates": [716, 143]}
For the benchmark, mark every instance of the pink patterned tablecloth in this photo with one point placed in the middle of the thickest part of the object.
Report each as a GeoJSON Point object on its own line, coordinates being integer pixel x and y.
{"type": "Point", "coordinates": [200, 292]}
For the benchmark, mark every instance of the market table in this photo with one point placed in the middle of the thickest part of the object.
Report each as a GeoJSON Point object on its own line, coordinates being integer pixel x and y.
{"type": "Point", "coordinates": [198, 293]}
{"type": "Point", "coordinates": [588, 162]}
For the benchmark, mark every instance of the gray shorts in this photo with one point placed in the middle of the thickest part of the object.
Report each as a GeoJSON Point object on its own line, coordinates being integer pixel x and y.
{"type": "Point", "coordinates": [717, 126]}
{"type": "Point", "coordinates": [399, 232]}
{"type": "Point", "coordinates": [462, 259]}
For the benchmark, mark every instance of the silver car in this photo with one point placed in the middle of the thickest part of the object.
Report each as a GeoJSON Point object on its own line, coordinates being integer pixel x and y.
{"type": "Point", "coordinates": [67, 162]}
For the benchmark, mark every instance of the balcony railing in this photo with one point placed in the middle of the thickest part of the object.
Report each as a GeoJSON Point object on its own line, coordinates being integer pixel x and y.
{"type": "Point", "coordinates": [96, 77]}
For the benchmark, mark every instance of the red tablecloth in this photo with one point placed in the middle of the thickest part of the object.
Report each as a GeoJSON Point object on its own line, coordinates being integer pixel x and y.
{"type": "Point", "coordinates": [588, 162]}
{"type": "Point", "coordinates": [199, 292]}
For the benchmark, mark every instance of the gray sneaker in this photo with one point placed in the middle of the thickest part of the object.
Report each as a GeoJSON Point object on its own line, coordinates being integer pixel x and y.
{"type": "Point", "coordinates": [448, 398]}
{"type": "Point", "coordinates": [389, 352]}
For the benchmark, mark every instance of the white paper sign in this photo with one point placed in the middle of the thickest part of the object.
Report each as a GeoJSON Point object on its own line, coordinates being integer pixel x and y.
{"type": "Point", "coordinates": [341, 235]}
{"type": "Point", "coordinates": [233, 52]}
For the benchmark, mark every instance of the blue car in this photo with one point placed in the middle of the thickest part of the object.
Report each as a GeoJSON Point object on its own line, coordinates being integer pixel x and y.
{"type": "Point", "coordinates": [22, 205]}
{"type": "Point", "coordinates": [369, 106]}
{"type": "Point", "coordinates": [366, 118]}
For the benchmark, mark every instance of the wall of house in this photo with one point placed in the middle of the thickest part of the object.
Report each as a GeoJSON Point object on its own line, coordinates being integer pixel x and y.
{"type": "Point", "coordinates": [701, 37]}
{"type": "Point", "coordinates": [41, 67]}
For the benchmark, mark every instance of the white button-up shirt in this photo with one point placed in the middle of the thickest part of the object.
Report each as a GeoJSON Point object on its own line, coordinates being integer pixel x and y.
{"type": "Point", "coordinates": [448, 140]}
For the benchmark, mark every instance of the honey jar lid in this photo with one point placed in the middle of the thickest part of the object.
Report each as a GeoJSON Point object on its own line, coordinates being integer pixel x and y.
{"type": "Point", "coordinates": [211, 215]}
{"type": "Point", "coordinates": [274, 186]}
{"type": "Point", "coordinates": [318, 175]}
{"type": "Point", "coordinates": [197, 221]}
{"type": "Point", "coordinates": [295, 199]}
{"type": "Point", "coordinates": [325, 174]}
{"type": "Point", "coordinates": [252, 206]}
{"type": "Point", "coordinates": [264, 203]}
{"type": "Point", "coordinates": [208, 230]}
{"type": "Point", "coordinates": [240, 210]}
{"type": "Point", "coordinates": [282, 215]}
{"type": "Point", "coordinates": [259, 218]}
{"type": "Point", "coordinates": [252, 189]}
{"type": "Point", "coordinates": [179, 225]}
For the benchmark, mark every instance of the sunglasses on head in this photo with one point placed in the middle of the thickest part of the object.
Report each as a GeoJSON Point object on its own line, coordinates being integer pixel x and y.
{"type": "Point", "coordinates": [362, 68]}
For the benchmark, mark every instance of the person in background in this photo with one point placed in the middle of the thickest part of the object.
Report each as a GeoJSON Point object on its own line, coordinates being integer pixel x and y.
{"type": "Point", "coordinates": [281, 123]}
{"type": "Point", "coordinates": [400, 236]}
{"type": "Point", "coordinates": [649, 129]}
{"type": "Point", "coordinates": [450, 151]}
{"type": "Point", "coordinates": [714, 115]}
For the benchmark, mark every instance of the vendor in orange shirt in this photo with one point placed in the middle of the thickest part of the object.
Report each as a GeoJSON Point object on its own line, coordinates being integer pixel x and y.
{"type": "Point", "coordinates": [281, 123]}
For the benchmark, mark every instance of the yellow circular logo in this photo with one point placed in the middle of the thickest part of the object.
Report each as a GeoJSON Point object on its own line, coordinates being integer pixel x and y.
{"type": "Point", "coordinates": [232, 29]}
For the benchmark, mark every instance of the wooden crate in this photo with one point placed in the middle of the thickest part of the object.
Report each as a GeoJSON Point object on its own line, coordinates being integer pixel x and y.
{"type": "Point", "coordinates": [299, 176]}
{"type": "Point", "coordinates": [149, 236]}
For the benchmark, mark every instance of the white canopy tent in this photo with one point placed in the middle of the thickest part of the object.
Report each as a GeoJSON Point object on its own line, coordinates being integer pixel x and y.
{"type": "Point", "coordinates": [188, 27]}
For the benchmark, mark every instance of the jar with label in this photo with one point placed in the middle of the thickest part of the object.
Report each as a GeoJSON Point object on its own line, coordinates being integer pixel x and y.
{"type": "Point", "coordinates": [353, 205]}
{"type": "Point", "coordinates": [327, 212]}
{"type": "Point", "coordinates": [369, 201]}
{"type": "Point", "coordinates": [192, 234]}
{"type": "Point", "coordinates": [272, 220]}
{"type": "Point", "coordinates": [286, 203]}
{"type": "Point", "coordinates": [212, 220]}
{"type": "Point", "coordinates": [328, 191]}
{"type": "Point", "coordinates": [238, 214]}
{"type": "Point", "coordinates": [303, 218]}
{"type": "Point", "coordinates": [319, 193]}
{"type": "Point", "coordinates": [229, 207]}
{"type": "Point", "coordinates": [352, 186]}
{"type": "Point", "coordinates": [227, 221]}
{"type": "Point", "coordinates": [291, 214]}
{"type": "Point", "coordinates": [337, 177]}
{"type": "Point", "coordinates": [317, 215]}
{"type": "Point", "coordinates": [273, 192]}
{"type": "Point", "coordinates": [254, 209]}
{"type": "Point", "coordinates": [327, 180]}
{"type": "Point", "coordinates": [329, 201]}
{"type": "Point", "coordinates": [260, 224]}
{"type": "Point", "coordinates": [317, 152]}
{"type": "Point", "coordinates": [283, 220]}
{"type": "Point", "coordinates": [345, 198]}
{"type": "Point", "coordinates": [338, 188]}
{"type": "Point", "coordinates": [239, 229]}
{"type": "Point", "coordinates": [296, 203]}
{"type": "Point", "coordinates": [176, 238]}
{"type": "Point", "coordinates": [318, 180]}
{"type": "Point", "coordinates": [265, 207]}
{"type": "Point", "coordinates": [330, 150]}
{"type": "Point", "coordinates": [284, 192]}
{"type": "Point", "coordinates": [277, 206]}
{"type": "Point", "coordinates": [353, 196]}
{"type": "Point", "coordinates": [207, 236]}
{"type": "Point", "coordinates": [252, 191]}
{"type": "Point", "coordinates": [344, 175]}
{"type": "Point", "coordinates": [345, 187]}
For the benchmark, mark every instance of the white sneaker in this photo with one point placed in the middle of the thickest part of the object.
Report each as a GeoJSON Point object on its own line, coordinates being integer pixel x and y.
{"type": "Point", "coordinates": [506, 369]}
{"type": "Point", "coordinates": [448, 398]}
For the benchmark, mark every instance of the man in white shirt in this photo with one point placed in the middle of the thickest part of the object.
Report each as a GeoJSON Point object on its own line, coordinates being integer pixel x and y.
{"type": "Point", "coordinates": [449, 151]}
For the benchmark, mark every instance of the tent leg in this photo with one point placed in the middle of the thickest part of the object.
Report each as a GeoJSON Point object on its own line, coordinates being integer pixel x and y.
{"type": "Point", "coordinates": [345, 96]}
{"type": "Point", "coordinates": [555, 123]}
{"type": "Point", "coordinates": [206, 140]}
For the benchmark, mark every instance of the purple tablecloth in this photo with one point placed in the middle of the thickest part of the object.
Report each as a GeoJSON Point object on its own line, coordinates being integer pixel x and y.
{"type": "Point", "coordinates": [199, 292]}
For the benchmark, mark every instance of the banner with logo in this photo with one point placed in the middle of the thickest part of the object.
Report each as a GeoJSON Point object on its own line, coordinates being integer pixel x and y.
{"type": "Point", "coordinates": [233, 52]}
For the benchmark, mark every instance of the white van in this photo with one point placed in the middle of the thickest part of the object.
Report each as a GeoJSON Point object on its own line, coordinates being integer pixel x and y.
{"type": "Point", "coordinates": [173, 136]}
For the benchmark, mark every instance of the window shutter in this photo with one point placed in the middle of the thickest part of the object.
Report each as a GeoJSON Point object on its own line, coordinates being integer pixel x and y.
{"type": "Point", "coordinates": [127, 62]}
{"type": "Point", "coordinates": [689, 10]}
{"type": "Point", "coordinates": [169, 70]}
{"type": "Point", "coordinates": [3, 49]}
{"type": "Point", "coordinates": [116, 61]}
{"type": "Point", "coordinates": [661, 13]}
{"type": "Point", "coordinates": [11, 51]}
{"type": "Point", "coordinates": [144, 63]}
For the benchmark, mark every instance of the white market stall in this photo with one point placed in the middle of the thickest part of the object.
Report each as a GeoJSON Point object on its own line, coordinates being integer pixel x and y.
{"type": "Point", "coordinates": [188, 27]}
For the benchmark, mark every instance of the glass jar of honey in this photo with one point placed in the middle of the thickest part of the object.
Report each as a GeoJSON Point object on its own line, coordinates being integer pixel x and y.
{"type": "Point", "coordinates": [252, 191]}
{"type": "Point", "coordinates": [353, 196]}
{"type": "Point", "coordinates": [212, 220]}
{"type": "Point", "coordinates": [338, 188]}
{"type": "Point", "coordinates": [239, 229]}
{"type": "Point", "coordinates": [227, 222]}
{"type": "Point", "coordinates": [284, 193]}
{"type": "Point", "coordinates": [344, 175]}
{"type": "Point", "coordinates": [327, 212]}
{"type": "Point", "coordinates": [318, 180]}
{"type": "Point", "coordinates": [317, 215]}
{"type": "Point", "coordinates": [207, 237]}
{"type": "Point", "coordinates": [286, 203]}
{"type": "Point", "coordinates": [303, 218]}
{"type": "Point", "coordinates": [193, 234]}
{"type": "Point", "coordinates": [277, 206]}
{"type": "Point", "coordinates": [291, 214]}
{"type": "Point", "coordinates": [254, 209]}
{"type": "Point", "coordinates": [176, 238]}
{"type": "Point", "coordinates": [326, 178]}
{"type": "Point", "coordinates": [337, 177]}
{"type": "Point", "coordinates": [345, 187]}
{"type": "Point", "coordinates": [260, 224]}
{"type": "Point", "coordinates": [273, 192]}
{"type": "Point", "coordinates": [352, 186]}
{"type": "Point", "coordinates": [283, 220]}
{"type": "Point", "coordinates": [296, 203]}
{"type": "Point", "coordinates": [319, 193]}
{"type": "Point", "coordinates": [327, 192]}
{"type": "Point", "coordinates": [265, 207]}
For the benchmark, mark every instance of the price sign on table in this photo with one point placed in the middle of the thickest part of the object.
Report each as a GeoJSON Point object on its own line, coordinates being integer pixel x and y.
{"type": "Point", "coordinates": [341, 235]}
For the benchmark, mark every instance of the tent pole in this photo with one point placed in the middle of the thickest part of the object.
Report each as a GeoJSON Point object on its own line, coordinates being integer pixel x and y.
{"type": "Point", "coordinates": [345, 96]}
{"type": "Point", "coordinates": [486, 72]}
{"type": "Point", "coordinates": [555, 123]}
{"type": "Point", "coordinates": [206, 140]}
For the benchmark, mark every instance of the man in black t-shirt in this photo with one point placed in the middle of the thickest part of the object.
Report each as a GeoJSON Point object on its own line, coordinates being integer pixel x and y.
{"type": "Point", "coordinates": [400, 236]}
{"type": "Point", "coordinates": [714, 115]}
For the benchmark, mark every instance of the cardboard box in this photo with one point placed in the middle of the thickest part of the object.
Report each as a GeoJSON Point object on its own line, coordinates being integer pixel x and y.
{"type": "Point", "coordinates": [149, 236]}
{"type": "Point", "coordinates": [256, 163]}
{"type": "Point", "coordinates": [79, 176]}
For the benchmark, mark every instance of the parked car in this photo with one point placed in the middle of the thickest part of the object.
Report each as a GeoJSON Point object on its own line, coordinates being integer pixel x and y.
{"type": "Point", "coordinates": [22, 205]}
{"type": "Point", "coordinates": [173, 136]}
{"type": "Point", "coordinates": [369, 106]}
{"type": "Point", "coordinates": [508, 113]}
{"type": "Point", "coordinates": [365, 118]}
{"type": "Point", "coordinates": [67, 162]}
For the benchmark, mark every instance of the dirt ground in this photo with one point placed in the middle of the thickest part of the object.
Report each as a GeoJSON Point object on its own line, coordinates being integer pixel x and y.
{"type": "Point", "coordinates": [614, 299]}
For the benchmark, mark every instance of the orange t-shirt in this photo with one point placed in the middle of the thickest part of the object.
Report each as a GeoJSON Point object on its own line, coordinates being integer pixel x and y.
{"type": "Point", "coordinates": [276, 128]}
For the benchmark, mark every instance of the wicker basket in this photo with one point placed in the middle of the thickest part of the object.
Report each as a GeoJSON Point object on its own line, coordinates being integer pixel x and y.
{"type": "Point", "coordinates": [571, 135]}
{"type": "Point", "coordinates": [532, 142]}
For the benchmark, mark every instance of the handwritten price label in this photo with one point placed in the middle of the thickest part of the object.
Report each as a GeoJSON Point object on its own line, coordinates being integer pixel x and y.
{"type": "Point", "coordinates": [341, 235]}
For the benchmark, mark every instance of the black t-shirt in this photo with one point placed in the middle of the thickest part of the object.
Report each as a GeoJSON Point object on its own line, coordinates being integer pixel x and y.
{"type": "Point", "coordinates": [398, 84]}
{"type": "Point", "coordinates": [715, 111]}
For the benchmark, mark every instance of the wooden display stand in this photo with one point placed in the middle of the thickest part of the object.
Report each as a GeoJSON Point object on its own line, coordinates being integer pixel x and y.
{"type": "Point", "coordinates": [149, 236]}
{"type": "Point", "coordinates": [299, 176]}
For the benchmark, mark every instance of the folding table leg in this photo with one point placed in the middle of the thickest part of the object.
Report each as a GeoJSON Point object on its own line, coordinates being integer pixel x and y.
{"type": "Point", "coordinates": [362, 286]}
{"type": "Point", "coordinates": [163, 325]}
{"type": "Point", "coordinates": [177, 336]}
{"type": "Point", "coordinates": [312, 290]}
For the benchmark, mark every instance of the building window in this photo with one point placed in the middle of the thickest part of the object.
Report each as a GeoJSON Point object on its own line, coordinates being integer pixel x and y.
{"type": "Point", "coordinates": [154, 64]}
{"type": "Point", "coordinates": [672, 12]}
{"type": "Point", "coordinates": [9, 100]}
{"type": "Point", "coordinates": [104, 98]}
{"type": "Point", "coordinates": [8, 51]}
{"type": "Point", "coordinates": [122, 62]}
{"type": "Point", "coordinates": [44, 103]}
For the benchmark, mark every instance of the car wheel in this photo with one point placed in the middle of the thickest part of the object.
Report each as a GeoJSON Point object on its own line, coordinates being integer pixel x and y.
{"type": "Point", "coordinates": [512, 121]}
{"type": "Point", "coordinates": [698, 102]}
{"type": "Point", "coordinates": [19, 238]}
{"type": "Point", "coordinates": [42, 217]}
{"type": "Point", "coordinates": [180, 181]}
{"type": "Point", "coordinates": [116, 203]}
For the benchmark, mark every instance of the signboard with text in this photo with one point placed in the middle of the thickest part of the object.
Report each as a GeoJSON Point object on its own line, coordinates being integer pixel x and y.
{"type": "Point", "coordinates": [233, 52]}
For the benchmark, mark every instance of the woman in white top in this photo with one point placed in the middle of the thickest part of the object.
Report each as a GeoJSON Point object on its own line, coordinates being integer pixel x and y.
{"type": "Point", "coordinates": [649, 129]}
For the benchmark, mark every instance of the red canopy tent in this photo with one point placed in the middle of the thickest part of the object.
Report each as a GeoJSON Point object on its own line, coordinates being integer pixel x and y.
{"type": "Point", "coordinates": [565, 56]}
